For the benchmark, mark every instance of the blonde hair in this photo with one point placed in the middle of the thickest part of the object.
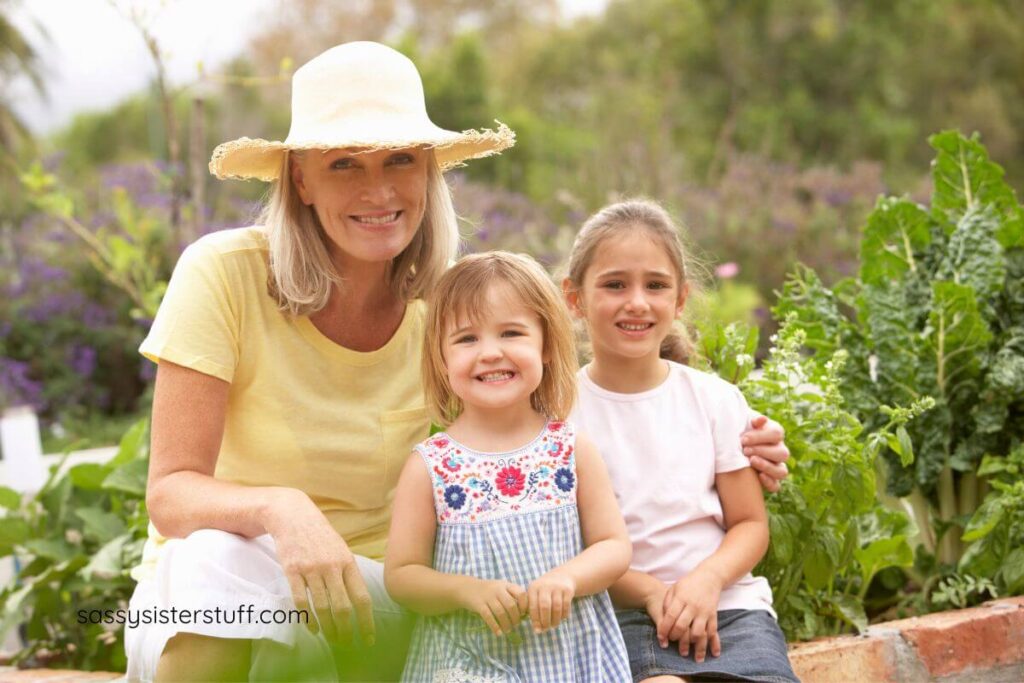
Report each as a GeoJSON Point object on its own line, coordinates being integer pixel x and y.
{"type": "Point", "coordinates": [649, 218]}
{"type": "Point", "coordinates": [463, 291]}
{"type": "Point", "coordinates": [301, 269]}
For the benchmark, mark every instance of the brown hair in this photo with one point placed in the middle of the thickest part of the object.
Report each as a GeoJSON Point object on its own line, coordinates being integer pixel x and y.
{"type": "Point", "coordinates": [647, 217]}
{"type": "Point", "coordinates": [463, 291]}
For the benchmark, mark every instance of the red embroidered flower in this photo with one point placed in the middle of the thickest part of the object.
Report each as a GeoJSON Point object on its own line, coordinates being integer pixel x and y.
{"type": "Point", "coordinates": [451, 464]}
{"type": "Point", "coordinates": [555, 426]}
{"type": "Point", "coordinates": [439, 441]}
{"type": "Point", "coordinates": [510, 481]}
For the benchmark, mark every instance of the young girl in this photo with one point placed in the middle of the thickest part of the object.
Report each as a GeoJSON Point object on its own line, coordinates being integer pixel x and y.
{"type": "Point", "coordinates": [505, 533]}
{"type": "Point", "coordinates": [670, 437]}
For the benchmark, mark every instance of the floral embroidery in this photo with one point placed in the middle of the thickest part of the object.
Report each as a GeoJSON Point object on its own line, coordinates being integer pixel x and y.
{"type": "Point", "coordinates": [510, 481]}
{"type": "Point", "coordinates": [454, 496]}
{"type": "Point", "coordinates": [476, 487]}
{"type": "Point", "coordinates": [564, 479]}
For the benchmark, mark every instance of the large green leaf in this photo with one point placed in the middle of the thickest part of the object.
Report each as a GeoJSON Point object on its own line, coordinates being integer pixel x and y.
{"type": "Point", "coordinates": [13, 531]}
{"type": "Point", "coordinates": [896, 229]}
{"type": "Point", "coordinates": [9, 498]}
{"type": "Point", "coordinates": [107, 562]}
{"type": "Point", "coordinates": [100, 525]}
{"type": "Point", "coordinates": [129, 478]}
{"type": "Point", "coordinates": [54, 549]}
{"type": "Point", "coordinates": [965, 179]}
{"type": "Point", "coordinates": [973, 255]}
{"type": "Point", "coordinates": [894, 336]}
{"type": "Point", "coordinates": [956, 334]}
{"type": "Point", "coordinates": [850, 610]}
{"type": "Point", "coordinates": [134, 444]}
{"type": "Point", "coordinates": [881, 553]}
{"type": "Point", "coordinates": [89, 475]}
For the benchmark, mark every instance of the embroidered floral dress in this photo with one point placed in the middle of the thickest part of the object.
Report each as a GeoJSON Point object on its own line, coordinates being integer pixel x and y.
{"type": "Point", "coordinates": [511, 516]}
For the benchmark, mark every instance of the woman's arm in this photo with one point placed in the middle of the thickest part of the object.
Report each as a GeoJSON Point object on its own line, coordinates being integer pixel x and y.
{"type": "Point", "coordinates": [182, 496]}
{"type": "Point", "coordinates": [409, 575]}
{"type": "Point", "coordinates": [607, 550]}
{"type": "Point", "coordinates": [764, 443]}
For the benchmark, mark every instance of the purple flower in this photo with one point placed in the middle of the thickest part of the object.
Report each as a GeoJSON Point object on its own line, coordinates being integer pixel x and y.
{"type": "Point", "coordinates": [564, 479]}
{"type": "Point", "coordinates": [454, 496]}
{"type": "Point", "coordinates": [82, 360]}
{"type": "Point", "coordinates": [16, 387]}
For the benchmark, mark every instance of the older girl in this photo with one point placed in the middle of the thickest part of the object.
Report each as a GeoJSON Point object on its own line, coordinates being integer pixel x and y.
{"type": "Point", "coordinates": [671, 437]}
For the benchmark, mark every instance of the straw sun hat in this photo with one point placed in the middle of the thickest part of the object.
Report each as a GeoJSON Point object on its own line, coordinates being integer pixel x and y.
{"type": "Point", "coordinates": [359, 94]}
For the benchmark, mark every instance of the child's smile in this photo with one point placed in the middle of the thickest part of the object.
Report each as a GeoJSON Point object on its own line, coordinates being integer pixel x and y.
{"type": "Point", "coordinates": [630, 298]}
{"type": "Point", "coordinates": [496, 361]}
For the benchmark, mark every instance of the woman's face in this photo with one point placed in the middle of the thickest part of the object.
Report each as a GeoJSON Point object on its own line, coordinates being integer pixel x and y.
{"type": "Point", "coordinates": [370, 203]}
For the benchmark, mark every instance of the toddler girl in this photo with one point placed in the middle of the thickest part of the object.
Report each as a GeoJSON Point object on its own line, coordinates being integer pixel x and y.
{"type": "Point", "coordinates": [505, 532]}
{"type": "Point", "coordinates": [670, 437]}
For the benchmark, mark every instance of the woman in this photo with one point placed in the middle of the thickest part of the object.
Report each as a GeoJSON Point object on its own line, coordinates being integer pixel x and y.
{"type": "Point", "coordinates": [288, 392]}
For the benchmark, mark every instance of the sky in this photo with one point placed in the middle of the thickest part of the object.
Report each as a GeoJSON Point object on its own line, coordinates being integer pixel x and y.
{"type": "Point", "coordinates": [94, 57]}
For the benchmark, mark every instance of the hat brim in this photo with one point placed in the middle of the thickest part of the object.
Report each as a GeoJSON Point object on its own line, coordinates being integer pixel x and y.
{"type": "Point", "coordinates": [248, 158]}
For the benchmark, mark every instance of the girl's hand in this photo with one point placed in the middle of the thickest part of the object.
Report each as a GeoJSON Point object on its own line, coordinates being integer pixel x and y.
{"type": "Point", "coordinates": [764, 444]}
{"type": "Point", "coordinates": [655, 604]}
{"type": "Point", "coordinates": [550, 598]}
{"type": "Point", "coordinates": [314, 556]}
{"type": "Point", "coordinates": [691, 614]}
{"type": "Point", "coordinates": [501, 604]}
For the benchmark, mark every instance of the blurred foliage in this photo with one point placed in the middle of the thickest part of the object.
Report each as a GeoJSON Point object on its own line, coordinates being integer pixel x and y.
{"type": "Point", "coordinates": [76, 539]}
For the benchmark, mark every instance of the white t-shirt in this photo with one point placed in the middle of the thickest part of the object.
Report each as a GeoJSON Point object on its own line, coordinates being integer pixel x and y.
{"type": "Point", "coordinates": [663, 448]}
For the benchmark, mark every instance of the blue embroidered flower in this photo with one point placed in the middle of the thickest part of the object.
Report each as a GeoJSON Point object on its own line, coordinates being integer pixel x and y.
{"type": "Point", "coordinates": [454, 496]}
{"type": "Point", "coordinates": [564, 479]}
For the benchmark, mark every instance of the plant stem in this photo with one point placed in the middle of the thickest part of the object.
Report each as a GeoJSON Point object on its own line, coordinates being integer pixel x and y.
{"type": "Point", "coordinates": [968, 493]}
{"type": "Point", "coordinates": [949, 550]}
{"type": "Point", "coordinates": [925, 532]}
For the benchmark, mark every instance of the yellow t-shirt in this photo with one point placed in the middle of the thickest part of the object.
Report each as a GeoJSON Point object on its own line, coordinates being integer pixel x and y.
{"type": "Point", "coordinates": [303, 412]}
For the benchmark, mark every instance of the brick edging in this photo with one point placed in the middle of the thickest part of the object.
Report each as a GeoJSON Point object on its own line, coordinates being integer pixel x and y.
{"type": "Point", "coordinates": [951, 646]}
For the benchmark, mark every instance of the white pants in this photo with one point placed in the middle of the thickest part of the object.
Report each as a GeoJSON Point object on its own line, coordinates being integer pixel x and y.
{"type": "Point", "coordinates": [234, 587]}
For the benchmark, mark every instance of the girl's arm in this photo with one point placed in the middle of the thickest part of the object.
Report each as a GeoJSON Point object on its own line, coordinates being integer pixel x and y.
{"type": "Point", "coordinates": [607, 550]}
{"type": "Point", "coordinates": [691, 605]}
{"type": "Point", "coordinates": [635, 590]}
{"type": "Point", "coordinates": [409, 576]}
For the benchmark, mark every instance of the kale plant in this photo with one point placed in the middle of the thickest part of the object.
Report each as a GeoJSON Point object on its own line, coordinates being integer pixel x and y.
{"type": "Point", "coordinates": [937, 309]}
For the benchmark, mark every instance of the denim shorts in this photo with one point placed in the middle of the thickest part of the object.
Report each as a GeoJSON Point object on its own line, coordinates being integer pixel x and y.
{"type": "Point", "coordinates": [753, 649]}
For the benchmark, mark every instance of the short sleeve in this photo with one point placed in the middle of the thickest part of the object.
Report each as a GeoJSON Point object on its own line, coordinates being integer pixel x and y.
{"type": "Point", "coordinates": [730, 419]}
{"type": "Point", "coordinates": [197, 323]}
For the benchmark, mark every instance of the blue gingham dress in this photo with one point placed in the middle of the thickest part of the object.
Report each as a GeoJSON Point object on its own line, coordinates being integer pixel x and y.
{"type": "Point", "coordinates": [511, 516]}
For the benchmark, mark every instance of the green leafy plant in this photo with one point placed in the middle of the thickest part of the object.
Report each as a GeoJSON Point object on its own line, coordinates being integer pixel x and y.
{"type": "Point", "coordinates": [937, 310]}
{"type": "Point", "coordinates": [76, 540]}
{"type": "Point", "coordinates": [996, 530]}
{"type": "Point", "coordinates": [962, 590]}
{"type": "Point", "coordinates": [830, 535]}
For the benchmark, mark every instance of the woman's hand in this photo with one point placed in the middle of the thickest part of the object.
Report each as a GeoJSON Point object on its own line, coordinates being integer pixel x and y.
{"type": "Point", "coordinates": [550, 598]}
{"type": "Point", "coordinates": [314, 556]}
{"type": "Point", "coordinates": [764, 444]}
{"type": "Point", "coordinates": [690, 614]}
{"type": "Point", "coordinates": [501, 604]}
